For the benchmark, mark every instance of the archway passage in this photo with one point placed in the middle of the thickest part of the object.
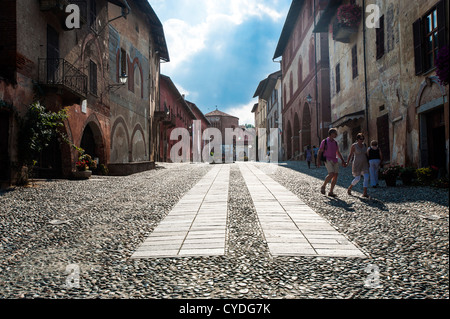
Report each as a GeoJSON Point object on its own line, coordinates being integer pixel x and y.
{"type": "Point", "coordinates": [92, 142]}
{"type": "Point", "coordinates": [4, 145]}
{"type": "Point", "coordinates": [289, 141]}
{"type": "Point", "coordinates": [50, 160]}
{"type": "Point", "coordinates": [296, 139]}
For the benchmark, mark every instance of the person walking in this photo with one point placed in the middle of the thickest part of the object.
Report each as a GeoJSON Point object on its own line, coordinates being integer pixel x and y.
{"type": "Point", "coordinates": [329, 148]}
{"type": "Point", "coordinates": [316, 151]}
{"type": "Point", "coordinates": [308, 155]}
{"type": "Point", "coordinates": [375, 158]}
{"type": "Point", "coordinates": [360, 167]}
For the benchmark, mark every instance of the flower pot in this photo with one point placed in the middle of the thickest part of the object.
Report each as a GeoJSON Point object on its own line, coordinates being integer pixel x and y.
{"type": "Point", "coordinates": [343, 33]}
{"type": "Point", "coordinates": [81, 175]}
{"type": "Point", "coordinates": [391, 181]}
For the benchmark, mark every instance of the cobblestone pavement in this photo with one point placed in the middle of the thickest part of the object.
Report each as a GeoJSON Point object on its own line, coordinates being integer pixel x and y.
{"type": "Point", "coordinates": [95, 226]}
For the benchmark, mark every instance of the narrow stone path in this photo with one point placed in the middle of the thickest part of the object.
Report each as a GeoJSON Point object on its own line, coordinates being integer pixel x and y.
{"type": "Point", "coordinates": [197, 225]}
{"type": "Point", "coordinates": [290, 227]}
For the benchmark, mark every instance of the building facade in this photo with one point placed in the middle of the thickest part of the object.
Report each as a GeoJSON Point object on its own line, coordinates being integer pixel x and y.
{"type": "Point", "coordinates": [77, 69]}
{"type": "Point", "coordinates": [175, 113]}
{"type": "Point", "coordinates": [268, 111]}
{"type": "Point", "coordinates": [305, 81]}
{"type": "Point", "coordinates": [384, 80]}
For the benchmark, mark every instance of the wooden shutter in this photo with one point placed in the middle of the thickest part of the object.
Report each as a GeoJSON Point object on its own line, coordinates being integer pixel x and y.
{"type": "Point", "coordinates": [442, 33]}
{"type": "Point", "coordinates": [383, 136]}
{"type": "Point", "coordinates": [380, 38]}
{"type": "Point", "coordinates": [418, 46]}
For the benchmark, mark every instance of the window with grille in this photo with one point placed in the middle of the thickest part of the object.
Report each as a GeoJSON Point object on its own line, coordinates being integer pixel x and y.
{"type": "Point", "coordinates": [430, 35]}
{"type": "Point", "coordinates": [380, 38]}
{"type": "Point", "coordinates": [93, 77]}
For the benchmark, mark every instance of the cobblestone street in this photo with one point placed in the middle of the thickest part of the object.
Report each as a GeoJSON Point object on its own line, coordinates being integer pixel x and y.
{"type": "Point", "coordinates": [395, 243]}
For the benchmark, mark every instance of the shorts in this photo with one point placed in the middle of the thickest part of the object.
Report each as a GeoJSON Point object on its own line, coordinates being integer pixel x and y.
{"type": "Point", "coordinates": [332, 167]}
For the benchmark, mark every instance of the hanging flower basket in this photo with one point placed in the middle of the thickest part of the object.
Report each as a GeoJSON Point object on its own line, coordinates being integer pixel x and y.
{"type": "Point", "coordinates": [347, 22]}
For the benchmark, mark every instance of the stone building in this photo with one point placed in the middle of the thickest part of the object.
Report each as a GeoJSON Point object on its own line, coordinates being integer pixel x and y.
{"type": "Point", "coordinates": [223, 121]}
{"type": "Point", "coordinates": [80, 69]}
{"type": "Point", "coordinates": [305, 82]}
{"type": "Point", "coordinates": [268, 110]}
{"type": "Point", "coordinates": [384, 81]}
{"type": "Point", "coordinates": [136, 46]}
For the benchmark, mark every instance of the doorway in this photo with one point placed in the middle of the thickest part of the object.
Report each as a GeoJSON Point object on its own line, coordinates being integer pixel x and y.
{"type": "Point", "coordinates": [4, 145]}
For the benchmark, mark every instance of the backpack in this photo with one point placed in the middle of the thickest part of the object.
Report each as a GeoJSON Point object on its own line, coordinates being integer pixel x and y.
{"type": "Point", "coordinates": [322, 157]}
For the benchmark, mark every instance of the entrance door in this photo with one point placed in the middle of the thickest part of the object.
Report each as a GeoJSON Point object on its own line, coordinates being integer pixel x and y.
{"type": "Point", "coordinates": [383, 136]}
{"type": "Point", "coordinates": [52, 55]}
{"type": "Point", "coordinates": [4, 145]}
{"type": "Point", "coordinates": [436, 138]}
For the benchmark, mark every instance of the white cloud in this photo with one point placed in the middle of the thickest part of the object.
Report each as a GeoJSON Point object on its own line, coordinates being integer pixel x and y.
{"type": "Point", "coordinates": [243, 112]}
{"type": "Point", "coordinates": [205, 25]}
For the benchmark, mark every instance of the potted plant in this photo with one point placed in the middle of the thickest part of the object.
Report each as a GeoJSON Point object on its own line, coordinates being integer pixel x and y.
{"type": "Point", "coordinates": [407, 174]}
{"type": "Point", "coordinates": [390, 174]}
{"type": "Point", "coordinates": [84, 166]}
{"type": "Point", "coordinates": [347, 22]}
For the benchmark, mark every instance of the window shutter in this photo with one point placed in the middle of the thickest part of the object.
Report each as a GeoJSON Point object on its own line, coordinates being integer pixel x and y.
{"type": "Point", "coordinates": [380, 39]}
{"type": "Point", "coordinates": [418, 46]}
{"type": "Point", "coordinates": [442, 33]}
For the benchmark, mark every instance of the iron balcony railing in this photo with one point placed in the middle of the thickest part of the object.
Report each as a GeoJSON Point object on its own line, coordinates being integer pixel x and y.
{"type": "Point", "coordinates": [60, 73]}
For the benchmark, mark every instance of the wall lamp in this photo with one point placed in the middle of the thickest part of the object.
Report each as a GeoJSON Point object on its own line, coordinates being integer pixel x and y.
{"type": "Point", "coordinates": [122, 79]}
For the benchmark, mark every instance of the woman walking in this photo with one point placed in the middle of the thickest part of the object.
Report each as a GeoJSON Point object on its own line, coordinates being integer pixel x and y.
{"type": "Point", "coordinates": [308, 156]}
{"type": "Point", "coordinates": [375, 158]}
{"type": "Point", "coordinates": [360, 165]}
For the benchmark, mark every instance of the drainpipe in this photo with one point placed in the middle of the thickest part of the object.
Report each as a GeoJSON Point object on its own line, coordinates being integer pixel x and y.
{"type": "Point", "coordinates": [315, 66]}
{"type": "Point", "coordinates": [365, 70]}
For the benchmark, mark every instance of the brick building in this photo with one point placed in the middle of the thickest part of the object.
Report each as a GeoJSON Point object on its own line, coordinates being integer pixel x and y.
{"type": "Point", "coordinates": [174, 112]}
{"type": "Point", "coordinates": [305, 80]}
{"type": "Point", "coordinates": [384, 80]}
{"type": "Point", "coordinates": [79, 69]}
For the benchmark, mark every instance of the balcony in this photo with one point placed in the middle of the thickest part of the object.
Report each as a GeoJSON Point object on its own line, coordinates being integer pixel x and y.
{"type": "Point", "coordinates": [58, 7]}
{"type": "Point", "coordinates": [60, 74]}
{"type": "Point", "coordinates": [170, 121]}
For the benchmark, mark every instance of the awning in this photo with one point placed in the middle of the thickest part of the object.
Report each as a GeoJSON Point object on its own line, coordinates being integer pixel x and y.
{"type": "Point", "coordinates": [343, 121]}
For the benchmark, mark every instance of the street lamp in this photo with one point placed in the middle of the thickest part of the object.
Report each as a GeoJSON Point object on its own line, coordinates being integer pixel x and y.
{"type": "Point", "coordinates": [122, 81]}
{"type": "Point", "coordinates": [309, 98]}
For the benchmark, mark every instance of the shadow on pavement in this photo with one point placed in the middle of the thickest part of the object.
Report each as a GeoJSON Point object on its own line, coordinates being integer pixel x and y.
{"type": "Point", "coordinates": [378, 196]}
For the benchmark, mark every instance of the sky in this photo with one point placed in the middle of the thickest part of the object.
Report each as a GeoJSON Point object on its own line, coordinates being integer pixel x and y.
{"type": "Point", "coordinates": [221, 49]}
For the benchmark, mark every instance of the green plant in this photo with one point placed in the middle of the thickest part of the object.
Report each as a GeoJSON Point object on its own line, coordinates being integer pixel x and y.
{"type": "Point", "coordinates": [391, 171]}
{"type": "Point", "coordinates": [85, 162]}
{"type": "Point", "coordinates": [441, 183]}
{"type": "Point", "coordinates": [425, 175]}
{"type": "Point", "coordinates": [36, 130]}
{"type": "Point", "coordinates": [407, 174]}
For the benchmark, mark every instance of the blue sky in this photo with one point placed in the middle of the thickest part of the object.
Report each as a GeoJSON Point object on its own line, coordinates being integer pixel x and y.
{"type": "Point", "coordinates": [221, 49]}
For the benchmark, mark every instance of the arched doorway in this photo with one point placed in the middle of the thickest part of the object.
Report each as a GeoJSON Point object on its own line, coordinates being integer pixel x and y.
{"type": "Point", "coordinates": [92, 142]}
{"type": "Point", "coordinates": [288, 141]}
{"type": "Point", "coordinates": [296, 138]}
{"type": "Point", "coordinates": [306, 127]}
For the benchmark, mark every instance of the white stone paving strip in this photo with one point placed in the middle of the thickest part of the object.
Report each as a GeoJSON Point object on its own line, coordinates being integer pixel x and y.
{"type": "Point", "coordinates": [290, 227]}
{"type": "Point", "coordinates": [197, 225]}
